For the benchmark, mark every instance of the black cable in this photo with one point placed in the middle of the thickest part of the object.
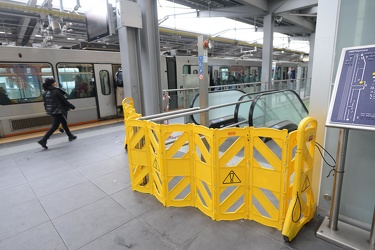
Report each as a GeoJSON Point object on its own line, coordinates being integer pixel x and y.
{"type": "Point", "coordinates": [319, 147]}
{"type": "Point", "coordinates": [300, 209]}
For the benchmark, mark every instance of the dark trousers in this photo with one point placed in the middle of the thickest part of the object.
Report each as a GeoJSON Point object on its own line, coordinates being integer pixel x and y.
{"type": "Point", "coordinates": [56, 120]}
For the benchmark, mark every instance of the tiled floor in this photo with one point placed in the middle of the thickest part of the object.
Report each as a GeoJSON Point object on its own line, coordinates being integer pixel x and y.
{"type": "Point", "coordinates": [77, 195]}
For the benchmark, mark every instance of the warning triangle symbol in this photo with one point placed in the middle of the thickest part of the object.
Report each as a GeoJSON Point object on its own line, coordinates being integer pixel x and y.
{"type": "Point", "coordinates": [306, 184]}
{"type": "Point", "coordinates": [231, 178]}
{"type": "Point", "coordinates": [156, 165]}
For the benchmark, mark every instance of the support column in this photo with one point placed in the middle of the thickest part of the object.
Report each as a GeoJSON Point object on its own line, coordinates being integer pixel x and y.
{"type": "Point", "coordinates": [310, 66]}
{"type": "Point", "coordinates": [150, 58]}
{"type": "Point", "coordinates": [140, 54]}
{"type": "Point", "coordinates": [128, 23]}
{"type": "Point", "coordinates": [267, 53]}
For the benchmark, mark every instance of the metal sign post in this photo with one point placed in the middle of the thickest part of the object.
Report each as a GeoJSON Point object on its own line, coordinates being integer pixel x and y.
{"type": "Point", "coordinates": [351, 107]}
{"type": "Point", "coordinates": [203, 77]}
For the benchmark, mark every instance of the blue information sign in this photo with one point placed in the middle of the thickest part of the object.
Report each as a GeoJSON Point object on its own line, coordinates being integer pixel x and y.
{"type": "Point", "coordinates": [353, 101]}
{"type": "Point", "coordinates": [200, 70]}
{"type": "Point", "coordinates": [200, 64]}
{"type": "Point", "coordinates": [200, 58]}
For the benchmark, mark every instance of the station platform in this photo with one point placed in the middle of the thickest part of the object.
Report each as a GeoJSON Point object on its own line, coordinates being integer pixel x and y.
{"type": "Point", "coordinates": [77, 195]}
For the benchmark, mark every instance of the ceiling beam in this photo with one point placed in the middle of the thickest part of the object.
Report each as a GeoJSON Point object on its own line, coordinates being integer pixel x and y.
{"type": "Point", "coordinates": [231, 12]}
{"type": "Point", "coordinates": [260, 4]}
{"type": "Point", "coordinates": [289, 30]}
{"type": "Point", "coordinates": [40, 11]}
{"type": "Point", "coordinates": [24, 23]}
{"type": "Point", "coordinates": [291, 5]}
{"type": "Point", "coordinates": [300, 22]}
{"type": "Point", "coordinates": [310, 11]}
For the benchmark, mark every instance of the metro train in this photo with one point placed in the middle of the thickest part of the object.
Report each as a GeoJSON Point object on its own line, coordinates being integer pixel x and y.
{"type": "Point", "coordinates": [88, 78]}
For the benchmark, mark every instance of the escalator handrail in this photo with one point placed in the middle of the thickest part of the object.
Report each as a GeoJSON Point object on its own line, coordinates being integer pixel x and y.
{"type": "Point", "coordinates": [197, 95]}
{"type": "Point", "coordinates": [261, 94]}
{"type": "Point", "coordinates": [236, 109]}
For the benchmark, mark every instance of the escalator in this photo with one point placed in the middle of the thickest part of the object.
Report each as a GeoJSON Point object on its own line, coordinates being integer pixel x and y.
{"type": "Point", "coordinates": [282, 109]}
{"type": "Point", "coordinates": [279, 109]}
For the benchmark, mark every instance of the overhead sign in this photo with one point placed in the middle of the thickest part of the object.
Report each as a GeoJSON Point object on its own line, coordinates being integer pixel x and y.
{"type": "Point", "coordinates": [353, 100]}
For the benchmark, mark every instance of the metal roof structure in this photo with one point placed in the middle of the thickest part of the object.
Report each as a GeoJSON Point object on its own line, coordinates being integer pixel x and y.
{"type": "Point", "coordinates": [29, 24]}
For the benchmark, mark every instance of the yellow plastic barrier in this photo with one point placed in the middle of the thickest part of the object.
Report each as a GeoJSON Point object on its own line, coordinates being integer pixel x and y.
{"type": "Point", "coordinates": [302, 206]}
{"type": "Point", "coordinates": [229, 173]}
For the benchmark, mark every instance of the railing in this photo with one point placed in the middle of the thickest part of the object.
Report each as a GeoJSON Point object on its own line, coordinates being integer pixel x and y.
{"type": "Point", "coordinates": [302, 87]}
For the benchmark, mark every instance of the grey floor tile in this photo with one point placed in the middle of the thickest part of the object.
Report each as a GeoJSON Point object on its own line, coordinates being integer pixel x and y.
{"type": "Point", "coordinates": [35, 158]}
{"type": "Point", "coordinates": [8, 162]}
{"type": "Point", "coordinates": [88, 223]}
{"type": "Point", "coordinates": [270, 232]}
{"type": "Point", "coordinates": [230, 235]}
{"type": "Point", "coordinates": [38, 238]}
{"type": "Point", "coordinates": [100, 168]}
{"type": "Point", "coordinates": [58, 182]}
{"type": "Point", "coordinates": [113, 182]}
{"type": "Point", "coordinates": [135, 202]}
{"type": "Point", "coordinates": [109, 141]}
{"type": "Point", "coordinates": [69, 199]}
{"type": "Point", "coordinates": [176, 225]}
{"type": "Point", "coordinates": [132, 235]}
{"type": "Point", "coordinates": [306, 238]}
{"type": "Point", "coordinates": [8, 168]}
{"type": "Point", "coordinates": [16, 195]}
{"type": "Point", "coordinates": [44, 170]}
{"type": "Point", "coordinates": [20, 218]}
{"type": "Point", "coordinates": [12, 178]}
{"type": "Point", "coordinates": [123, 159]}
{"type": "Point", "coordinates": [114, 151]}
{"type": "Point", "coordinates": [83, 156]}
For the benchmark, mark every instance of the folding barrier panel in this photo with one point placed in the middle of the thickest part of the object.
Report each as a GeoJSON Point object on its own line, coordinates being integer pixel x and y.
{"type": "Point", "coordinates": [176, 146]}
{"type": "Point", "coordinates": [261, 174]}
{"type": "Point", "coordinates": [301, 209]}
{"type": "Point", "coordinates": [138, 155]}
{"type": "Point", "coordinates": [203, 156]}
{"type": "Point", "coordinates": [268, 166]}
{"type": "Point", "coordinates": [232, 147]}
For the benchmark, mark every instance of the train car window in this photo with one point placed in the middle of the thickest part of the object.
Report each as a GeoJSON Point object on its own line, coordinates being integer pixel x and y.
{"type": "Point", "coordinates": [22, 82]}
{"type": "Point", "coordinates": [186, 69]}
{"type": "Point", "coordinates": [76, 79]}
{"type": "Point", "coordinates": [224, 74]}
{"type": "Point", "coordinates": [104, 82]}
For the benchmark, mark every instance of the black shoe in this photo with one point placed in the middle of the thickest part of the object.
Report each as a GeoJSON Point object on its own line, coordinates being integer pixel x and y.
{"type": "Point", "coordinates": [72, 137]}
{"type": "Point", "coordinates": [61, 130]}
{"type": "Point", "coordinates": [43, 144]}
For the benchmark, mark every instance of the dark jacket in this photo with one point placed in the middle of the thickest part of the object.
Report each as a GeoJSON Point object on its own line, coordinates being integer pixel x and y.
{"type": "Point", "coordinates": [55, 102]}
{"type": "Point", "coordinates": [4, 99]}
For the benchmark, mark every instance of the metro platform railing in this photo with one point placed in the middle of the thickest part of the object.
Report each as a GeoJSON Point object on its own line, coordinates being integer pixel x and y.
{"type": "Point", "coordinates": [228, 173]}
{"type": "Point", "coordinates": [183, 97]}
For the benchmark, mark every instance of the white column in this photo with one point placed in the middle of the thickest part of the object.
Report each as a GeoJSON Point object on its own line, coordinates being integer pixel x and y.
{"type": "Point", "coordinates": [267, 52]}
{"type": "Point", "coordinates": [322, 80]}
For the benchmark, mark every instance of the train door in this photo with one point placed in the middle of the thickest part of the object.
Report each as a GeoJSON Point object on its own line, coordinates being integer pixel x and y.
{"type": "Point", "coordinates": [105, 90]}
